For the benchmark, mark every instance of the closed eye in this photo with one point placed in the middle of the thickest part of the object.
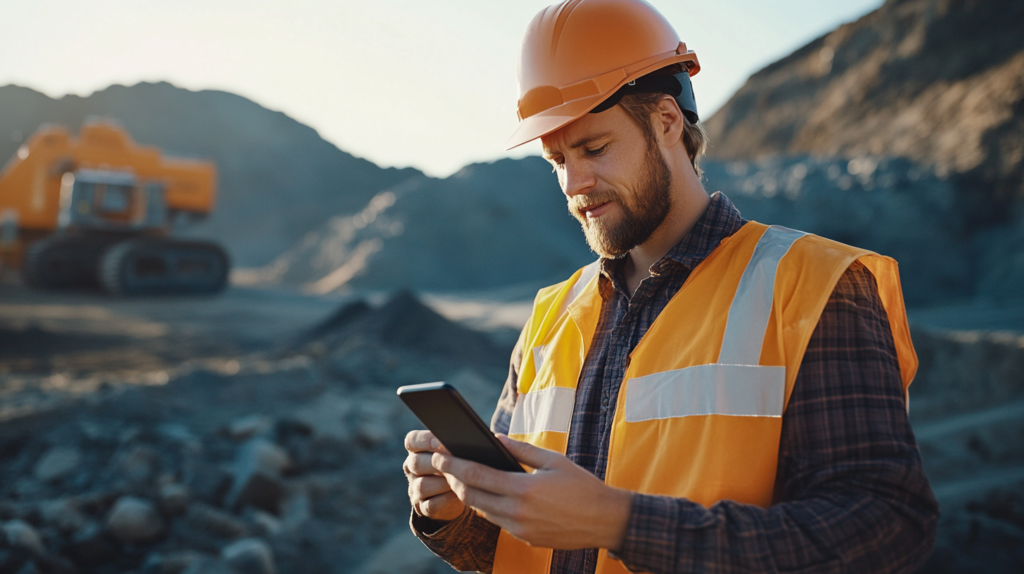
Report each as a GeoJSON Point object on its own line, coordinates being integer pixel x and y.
{"type": "Point", "coordinates": [597, 151]}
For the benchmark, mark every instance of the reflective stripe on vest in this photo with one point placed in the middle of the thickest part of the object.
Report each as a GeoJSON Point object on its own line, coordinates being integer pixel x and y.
{"type": "Point", "coordinates": [752, 304]}
{"type": "Point", "coordinates": [546, 410]}
{"type": "Point", "coordinates": [728, 390]}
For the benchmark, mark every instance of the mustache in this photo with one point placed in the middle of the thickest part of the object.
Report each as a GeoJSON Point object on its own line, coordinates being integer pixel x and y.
{"type": "Point", "coordinates": [579, 204]}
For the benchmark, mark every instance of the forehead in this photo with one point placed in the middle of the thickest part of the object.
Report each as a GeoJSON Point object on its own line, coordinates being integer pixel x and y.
{"type": "Point", "coordinates": [613, 122]}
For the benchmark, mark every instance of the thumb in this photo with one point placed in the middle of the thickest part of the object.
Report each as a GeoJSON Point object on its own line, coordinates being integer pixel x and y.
{"type": "Point", "coordinates": [526, 453]}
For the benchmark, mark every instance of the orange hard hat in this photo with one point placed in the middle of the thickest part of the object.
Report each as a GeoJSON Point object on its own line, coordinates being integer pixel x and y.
{"type": "Point", "coordinates": [578, 53]}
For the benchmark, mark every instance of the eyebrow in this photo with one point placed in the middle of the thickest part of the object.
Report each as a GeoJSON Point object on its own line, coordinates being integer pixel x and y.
{"type": "Point", "coordinates": [580, 143]}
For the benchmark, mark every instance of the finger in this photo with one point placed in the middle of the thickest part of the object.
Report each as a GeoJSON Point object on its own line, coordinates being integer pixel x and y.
{"type": "Point", "coordinates": [477, 475]}
{"type": "Point", "coordinates": [423, 487]}
{"type": "Point", "coordinates": [418, 464]}
{"type": "Point", "coordinates": [440, 506]}
{"type": "Point", "coordinates": [526, 453]}
{"type": "Point", "coordinates": [495, 508]}
{"type": "Point", "coordinates": [421, 441]}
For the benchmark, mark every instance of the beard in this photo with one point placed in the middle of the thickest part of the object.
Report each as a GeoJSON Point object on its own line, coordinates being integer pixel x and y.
{"type": "Point", "coordinates": [642, 213]}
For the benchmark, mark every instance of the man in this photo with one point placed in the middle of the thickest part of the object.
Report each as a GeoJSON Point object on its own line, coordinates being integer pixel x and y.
{"type": "Point", "coordinates": [713, 394]}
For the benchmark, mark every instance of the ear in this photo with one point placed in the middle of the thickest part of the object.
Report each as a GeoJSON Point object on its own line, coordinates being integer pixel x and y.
{"type": "Point", "coordinates": [669, 122]}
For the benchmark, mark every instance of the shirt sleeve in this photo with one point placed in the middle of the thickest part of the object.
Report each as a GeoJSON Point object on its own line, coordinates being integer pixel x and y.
{"type": "Point", "coordinates": [852, 495]}
{"type": "Point", "coordinates": [468, 542]}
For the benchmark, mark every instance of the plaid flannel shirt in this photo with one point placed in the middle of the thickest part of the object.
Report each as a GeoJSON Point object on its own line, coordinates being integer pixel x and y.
{"type": "Point", "coordinates": [851, 492]}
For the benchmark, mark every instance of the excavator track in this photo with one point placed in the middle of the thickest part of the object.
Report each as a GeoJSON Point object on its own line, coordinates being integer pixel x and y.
{"type": "Point", "coordinates": [159, 266]}
{"type": "Point", "coordinates": [64, 262]}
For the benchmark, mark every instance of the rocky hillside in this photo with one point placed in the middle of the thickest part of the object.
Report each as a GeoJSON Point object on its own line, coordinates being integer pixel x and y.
{"type": "Point", "coordinates": [277, 177]}
{"type": "Point", "coordinates": [937, 81]}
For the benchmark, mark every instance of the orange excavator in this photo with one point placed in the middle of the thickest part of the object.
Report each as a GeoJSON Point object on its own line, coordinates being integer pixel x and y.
{"type": "Point", "coordinates": [97, 210]}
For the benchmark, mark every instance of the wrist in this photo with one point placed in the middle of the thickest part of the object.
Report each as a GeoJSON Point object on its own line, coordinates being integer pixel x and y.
{"type": "Point", "coordinates": [618, 507]}
{"type": "Point", "coordinates": [429, 526]}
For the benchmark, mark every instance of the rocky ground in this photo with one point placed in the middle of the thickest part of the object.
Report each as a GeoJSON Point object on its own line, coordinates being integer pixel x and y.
{"type": "Point", "coordinates": [250, 457]}
{"type": "Point", "coordinates": [260, 432]}
{"type": "Point", "coordinates": [967, 410]}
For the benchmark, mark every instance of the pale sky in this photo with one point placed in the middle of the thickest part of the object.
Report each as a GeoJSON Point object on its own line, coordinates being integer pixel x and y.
{"type": "Point", "coordinates": [423, 83]}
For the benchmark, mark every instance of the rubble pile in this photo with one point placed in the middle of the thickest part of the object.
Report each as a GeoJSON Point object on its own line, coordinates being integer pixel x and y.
{"type": "Point", "coordinates": [967, 409]}
{"type": "Point", "coordinates": [889, 205]}
{"type": "Point", "coordinates": [295, 470]}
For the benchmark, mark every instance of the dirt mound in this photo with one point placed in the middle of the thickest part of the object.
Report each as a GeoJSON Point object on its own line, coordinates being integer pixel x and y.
{"type": "Point", "coordinates": [404, 323]}
{"type": "Point", "coordinates": [487, 226]}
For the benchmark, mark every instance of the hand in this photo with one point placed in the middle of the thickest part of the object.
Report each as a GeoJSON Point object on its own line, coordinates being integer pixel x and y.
{"type": "Point", "coordinates": [559, 505]}
{"type": "Point", "coordinates": [429, 492]}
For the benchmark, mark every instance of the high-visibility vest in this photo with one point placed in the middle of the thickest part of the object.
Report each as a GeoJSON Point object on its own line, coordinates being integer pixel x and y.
{"type": "Point", "coordinates": [699, 413]}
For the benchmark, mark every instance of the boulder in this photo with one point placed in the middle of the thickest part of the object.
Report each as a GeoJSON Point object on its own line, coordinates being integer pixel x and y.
{"type": "Point", "coordinates": [135, 521]}
{"type": "Point", "coordinates": [296, 510]}
{"type": "Point", "coordinates": [174, 498]}
{"type": "Point", "coordinates": [63, 514]}
{"type": "Point", "coordinates": [266, 523]}
{"type": "Point", "coordinates": [138, 464]}
{"type": "Point", "coordinates": [249, 556]}
{"type": "Point", "coordinates": [208, 482]}
{"type": "Point", "coordinates": [255, 487]}
{"type": "Point", "coordinates": [265, 455]}
{"type": "Point", "coordinates": [177, 432]}
{"type": "Point", "coordinates": [21, 535]}
{"type": "Point", "coordinates": [206, 520]}
{"type": "Point", "coordinates": [249, 426]}
{"type": "Point", "coordinates": [257, 474]}
{"type": "Point", "coordinates": [57, 463]}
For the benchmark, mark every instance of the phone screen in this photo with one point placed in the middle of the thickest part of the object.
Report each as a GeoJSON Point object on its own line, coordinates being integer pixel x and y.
{"type": "Point", "coordinates": [443, 410]}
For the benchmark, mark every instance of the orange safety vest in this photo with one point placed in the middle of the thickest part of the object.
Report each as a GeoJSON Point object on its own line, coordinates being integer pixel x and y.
{"type": "Point", "coordinates": [713, 373]}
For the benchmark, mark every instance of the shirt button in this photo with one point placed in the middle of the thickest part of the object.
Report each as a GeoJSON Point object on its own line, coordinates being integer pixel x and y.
{"type": "Point", "coordinates": [604, 402]}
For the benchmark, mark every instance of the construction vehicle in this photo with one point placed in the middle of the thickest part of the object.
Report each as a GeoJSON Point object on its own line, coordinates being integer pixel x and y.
{"type": "Point", "coordinates": [96, 212]}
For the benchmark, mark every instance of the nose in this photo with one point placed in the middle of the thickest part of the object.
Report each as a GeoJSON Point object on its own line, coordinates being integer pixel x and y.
{"type": "Point", "coordinates": [576, 177]}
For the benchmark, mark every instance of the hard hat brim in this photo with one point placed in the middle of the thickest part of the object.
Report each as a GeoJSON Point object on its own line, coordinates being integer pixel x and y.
{"type": "Point", "coordinates": [550, 120]}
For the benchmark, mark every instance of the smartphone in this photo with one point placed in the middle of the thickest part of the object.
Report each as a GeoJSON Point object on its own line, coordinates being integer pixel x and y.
{"type": "Point", "coordinates": [443, 410]}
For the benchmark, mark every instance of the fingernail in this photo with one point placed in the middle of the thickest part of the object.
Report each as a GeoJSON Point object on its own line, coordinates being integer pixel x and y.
{"type": "Point", "coordinates": [435, 444]}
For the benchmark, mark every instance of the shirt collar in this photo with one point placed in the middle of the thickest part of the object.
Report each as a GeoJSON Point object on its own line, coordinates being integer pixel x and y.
{"type": "Point", "coordinates": [719, 220]}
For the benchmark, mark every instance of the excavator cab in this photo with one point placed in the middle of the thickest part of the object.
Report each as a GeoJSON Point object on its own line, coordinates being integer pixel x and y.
{"type": "Point", "coordinates": [110, 201]}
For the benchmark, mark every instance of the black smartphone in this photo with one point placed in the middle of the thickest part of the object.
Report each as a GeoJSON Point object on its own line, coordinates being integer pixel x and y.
{"type": "Point", "coordinates": [443, 410]}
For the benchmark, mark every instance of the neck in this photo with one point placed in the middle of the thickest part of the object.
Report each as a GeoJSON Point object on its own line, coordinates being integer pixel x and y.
{"type": "Point", "coordinates": [689, 201]}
